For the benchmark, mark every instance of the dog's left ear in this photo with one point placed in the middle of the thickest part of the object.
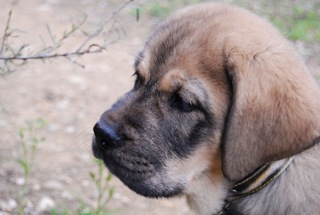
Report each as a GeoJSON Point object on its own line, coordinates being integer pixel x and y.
{"type": "Point", "coordinates": [274, 112]}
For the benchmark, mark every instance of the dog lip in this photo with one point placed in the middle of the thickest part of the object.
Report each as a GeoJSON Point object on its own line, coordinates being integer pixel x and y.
{"type": "Point", "coordinates": [142, 177]}
{"type": "Point", "coordinates": [152, 191]}
{"type": "Point", "coordinates": [134, 167]}
{"type": "Point", "coordinates": [137, 172]}
{"type": "Point", "coordinates": [97, 153]}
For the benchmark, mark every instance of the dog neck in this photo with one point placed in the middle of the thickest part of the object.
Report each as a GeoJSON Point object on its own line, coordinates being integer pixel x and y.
{"type": "Point", "coordinates": [206, 194]}
{"type": "Point", "coordinates": [214, 194]}
{"type": "Point", "coordinates": [257, 180]}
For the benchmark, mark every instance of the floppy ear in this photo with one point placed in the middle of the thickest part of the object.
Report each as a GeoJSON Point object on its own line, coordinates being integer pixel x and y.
{"type": "Point", "coordinates": [274, 112]}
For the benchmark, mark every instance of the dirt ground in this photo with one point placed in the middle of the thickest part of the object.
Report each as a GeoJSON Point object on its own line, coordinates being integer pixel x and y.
{"type": "Point", "coordinates": [71, 100]}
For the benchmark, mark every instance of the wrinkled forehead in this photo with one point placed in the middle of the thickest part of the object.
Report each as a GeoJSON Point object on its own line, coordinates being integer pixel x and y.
{"type": "Point", "coordinates": [166, 64]}
{"type": "Point", "coordinates": [170, 78]}
{"type": "Point", "coordinates": [167, 49]}
{"type": "Point", "coordinates": [180, 51]}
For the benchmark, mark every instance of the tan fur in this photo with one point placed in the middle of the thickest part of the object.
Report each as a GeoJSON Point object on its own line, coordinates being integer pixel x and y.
{"type": "Point", "coordinates": [188, 87]}
{"type": "Point", "coordinates": [256, 95]}
{"type": "Point", "coordinates": [143, 68]}
{"type": "Point", "coordinates": [172, 81]}
{"type": "Point", "coordinates": [202, 195]}
{"type": "Point", "coordinates": [275, 109]}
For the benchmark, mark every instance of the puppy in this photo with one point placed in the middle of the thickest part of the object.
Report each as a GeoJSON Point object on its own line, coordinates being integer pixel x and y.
{"type": "Point", "coordinates": [224, 111]}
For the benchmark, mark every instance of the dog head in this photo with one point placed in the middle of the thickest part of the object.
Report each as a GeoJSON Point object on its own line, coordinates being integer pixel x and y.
{"type": "Point", "coordinates": [217, 91]}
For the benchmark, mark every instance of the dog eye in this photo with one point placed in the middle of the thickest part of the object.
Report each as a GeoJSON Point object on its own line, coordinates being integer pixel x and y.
{"type": "Point", "coordinates": [178, 102]}
{"type": "Point", "coordinates": [138, 80]}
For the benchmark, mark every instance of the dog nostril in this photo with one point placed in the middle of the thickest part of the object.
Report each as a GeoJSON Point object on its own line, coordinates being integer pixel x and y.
{"type": "Point", "coordinates": [106, 136]}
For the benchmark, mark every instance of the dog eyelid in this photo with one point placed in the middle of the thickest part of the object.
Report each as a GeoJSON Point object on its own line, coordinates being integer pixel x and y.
{"type": "Point", "coordinates": [177, 101]}
{"type": "Point", "coordinates": [136, 73]}
{"type": "Point", "coordinates": [139, 80]}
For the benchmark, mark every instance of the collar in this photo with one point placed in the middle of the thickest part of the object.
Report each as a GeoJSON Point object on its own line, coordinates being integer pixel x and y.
{"type": "Point", "coordinates": [254, 182]}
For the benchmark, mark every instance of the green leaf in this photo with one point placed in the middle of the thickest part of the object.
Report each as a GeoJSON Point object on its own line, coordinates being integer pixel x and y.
{"type": "Point", "coordinates": [92, 175]}
{"type": "Point", "coordinates": [109, 177]}
{"type": "Point", "coordinates": [137, 14]}
{"type": "Point", "coordinates": [24, 165]}
{"type": "Point", "coordinates": [111, 192]}
{"type": "Point", "coordinates": [97, 161]}
{"type": "Point", "coordinates": [21, 132]}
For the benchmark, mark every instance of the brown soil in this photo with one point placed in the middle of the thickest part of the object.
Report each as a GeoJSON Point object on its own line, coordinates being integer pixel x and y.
{"type": "Point", "coordinates": [70, 99]}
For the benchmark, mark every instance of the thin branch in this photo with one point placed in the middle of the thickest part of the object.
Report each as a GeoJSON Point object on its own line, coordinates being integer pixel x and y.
{"type": "Point", "coordinates": [116, 12]}
{"type": "Point", "coordinates": [112, 17]}
{"type": "Point", "coordinates": [89, 38]}
{"type": "Point", "coordinates": [6, 34]}
{"type": "Point", "coordinates": [11, 57]}
{"type": "Point", "coordinates": [56, 55]}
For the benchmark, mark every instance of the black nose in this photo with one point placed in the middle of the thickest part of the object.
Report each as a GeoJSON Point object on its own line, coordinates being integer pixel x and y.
{"type": "Point", "coordinates": [106, 136]}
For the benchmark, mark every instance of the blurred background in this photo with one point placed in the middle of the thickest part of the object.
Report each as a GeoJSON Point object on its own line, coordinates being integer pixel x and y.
{"type": "Point", "coordinates": [62, 63]}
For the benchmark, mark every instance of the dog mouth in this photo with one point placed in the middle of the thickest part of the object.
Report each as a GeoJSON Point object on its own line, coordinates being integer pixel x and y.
{"type": "Point", "coordinates": [137, 171]}
{"type": "Point", "coordinates": [129, 166]}
{"type": "Point", "coordinates": [132, 165]}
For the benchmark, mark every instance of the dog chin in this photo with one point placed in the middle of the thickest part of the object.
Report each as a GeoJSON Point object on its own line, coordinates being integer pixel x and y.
{"type": "Point", "coordinates": [153, 187]}
{"type": "Point", "coordinates": [150, 189]}
{"type": "Point", "coordinates": [141, 174]}
{"type": "Point", "coordinates": [149, 183]}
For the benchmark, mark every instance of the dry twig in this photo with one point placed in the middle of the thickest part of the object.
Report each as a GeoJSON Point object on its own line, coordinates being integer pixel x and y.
{"type": "Point", "coordinates": [10, 57]}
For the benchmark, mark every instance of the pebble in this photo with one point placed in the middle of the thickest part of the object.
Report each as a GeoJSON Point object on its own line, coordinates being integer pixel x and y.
{"type": "Point", "coordinates": [66, 179]}
{"type": "Point", "coordinates": [53, 185]}
{"type": "Point", "coordinates": [70, 129]}
{"type": "Point", "coordinates": [20, 181]}
{"type": "Point", "coordinates": [3, 123]}
{"type": "Point", "coordinates": [3, 205]}
{"type": "Point", "coordinates": [85, 183]}
{"type": "Point", "coordinates": [12, 204]}
{"type": "Point", "coordinates": [67, 195]}
{"type": "Point", "coordinates": [45, 203]}
{"type": "Point", "coordinates": [36, 187]}
{"type": "Point", "coordinates": [54, 127]}
{"type": "Point", "coordinates": [63, 104]}
{"type": "Point", "coordinates": [79, 81]}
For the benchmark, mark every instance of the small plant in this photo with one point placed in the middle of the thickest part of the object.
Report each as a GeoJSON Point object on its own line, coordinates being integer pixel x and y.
{"type": "Point", "coordinates": [101, 179]}
{"type": "Point", "coordinates": [105, 191]}
{"type": "Point", "coordinates": [59, 212]}
{"type": "Point", "coordinates": [30, 138]}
